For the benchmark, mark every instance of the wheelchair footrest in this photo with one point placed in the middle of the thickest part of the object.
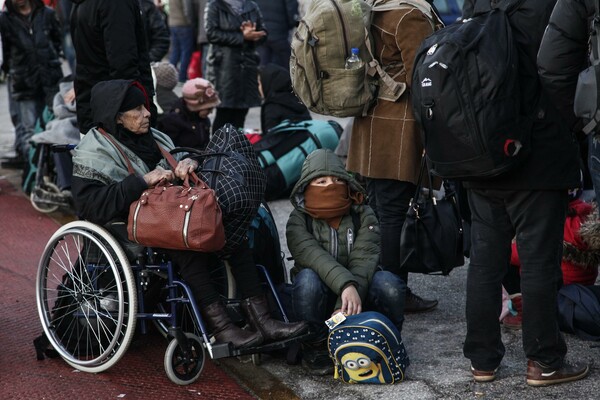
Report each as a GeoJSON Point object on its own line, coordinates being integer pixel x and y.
{"type": "Point", "coordinates": [221, 350]}
{"type": "Point", "coordinates": [273, 346]}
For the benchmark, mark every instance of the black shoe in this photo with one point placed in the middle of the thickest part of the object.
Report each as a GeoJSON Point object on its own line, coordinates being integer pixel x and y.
{"type": "Point", "coordinates": [16, 162]}
{"type": "Point", "coordinates": [539, 375]}
{"type": "Point", "coordinates": [417, 304]}
{"type": "Point", "coordinates": [315, 359]}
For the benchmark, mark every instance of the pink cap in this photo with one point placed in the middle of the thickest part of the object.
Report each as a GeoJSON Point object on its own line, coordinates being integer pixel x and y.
{"type": "Point", "coordinates": [199, 94]}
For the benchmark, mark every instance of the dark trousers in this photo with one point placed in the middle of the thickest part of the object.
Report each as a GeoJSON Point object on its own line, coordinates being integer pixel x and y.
{"type": "Point", "coordinates": [234, 116]}
{"type": "Point", "coordinates": [390, 198]}
{"type": "Point", "coordinates": [537, 219]}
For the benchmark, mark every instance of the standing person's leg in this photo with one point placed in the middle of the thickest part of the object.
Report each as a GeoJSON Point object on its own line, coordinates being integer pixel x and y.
{"type": "Point", "coordinates": [176, 50]}
{"type": "Point", "coordinates": [539, 242]}
{"type": "Point", "coordinates": [265, 54]}
{"type": "Point", "coordinates": [490, 254]}
{"type": "Point", "coordinates": [390, 199]}
{"type": "Point", "coordinates": [386, 295]}
{"type": "Point", "coordinates": [188, 42]}
{"type": "Point", "coordinates": [540, 233]}
{"type": "Point", "coordinates": [204, 49]}
{"type": "Point", "coordinates": [29, 112]}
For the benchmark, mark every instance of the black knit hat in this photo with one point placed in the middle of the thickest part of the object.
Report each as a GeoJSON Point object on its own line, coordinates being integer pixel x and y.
{"type": "Point", "coordinates": [133, 98]}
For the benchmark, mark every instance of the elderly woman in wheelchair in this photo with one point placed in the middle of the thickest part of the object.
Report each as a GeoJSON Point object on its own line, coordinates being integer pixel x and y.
{"type": "Point", "coordinates": [103, 189]}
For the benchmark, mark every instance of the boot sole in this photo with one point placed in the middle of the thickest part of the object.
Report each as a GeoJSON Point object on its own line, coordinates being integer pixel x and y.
{"type": "Point", "coordinates": [548, 382]}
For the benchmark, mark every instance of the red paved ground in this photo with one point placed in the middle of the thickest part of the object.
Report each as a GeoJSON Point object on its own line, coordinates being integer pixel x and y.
{"type": "Point", "coordinates": [139, 375]}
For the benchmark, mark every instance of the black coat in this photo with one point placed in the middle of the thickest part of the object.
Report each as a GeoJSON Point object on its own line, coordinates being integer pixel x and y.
{"type": "Point", "coordinates": [280, 102]}
{"type": "Point", "coordinates": [232, 62]}
{"type": "Point", "coordinates": [563, 53]}
{"type": "Point", "coordinates": [31, 51]}
{"type": "Point", "coordinates": [110, 43]}
{"type": "Point", "coordinates": [157, 31]}
{"type": "Point", "coordinates": [553, 161]}
{"type": "Point", "coordinates": [280, 16]}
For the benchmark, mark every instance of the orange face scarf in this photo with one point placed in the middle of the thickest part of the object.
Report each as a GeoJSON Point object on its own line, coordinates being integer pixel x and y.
{"type": "Point", "coordinates": [329, 203]}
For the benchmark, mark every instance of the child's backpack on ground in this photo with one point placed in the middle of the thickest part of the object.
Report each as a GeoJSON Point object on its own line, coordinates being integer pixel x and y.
{"type": "Point", "coordinates": [367, 348]}
{"type": "Point", "coordinates": [466, 97]}
{"type": "Point", "coordinates": [579, 310]}
{"type": "Point", "coordinates": [282, 151]}
{"type": "Point", "coordinates": [229, 166]}
{"type": "Point", "coordinates": [263, 239]}
{"type": "Point", "coordinates": [322, 44]}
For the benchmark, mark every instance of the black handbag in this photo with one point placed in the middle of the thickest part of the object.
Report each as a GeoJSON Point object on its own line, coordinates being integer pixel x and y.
{"type": "Point", "coordinates": [432, 235]}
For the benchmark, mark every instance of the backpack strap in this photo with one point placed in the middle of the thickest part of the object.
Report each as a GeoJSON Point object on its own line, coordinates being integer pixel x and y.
{"type": "Point", "coordinates": [389, 89]}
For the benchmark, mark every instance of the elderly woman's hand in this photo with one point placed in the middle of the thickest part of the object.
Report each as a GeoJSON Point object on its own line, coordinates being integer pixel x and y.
{"type": "Point", "coordinates": [185, 167]}
{"type": "Point", "coordinates": [153, 177]}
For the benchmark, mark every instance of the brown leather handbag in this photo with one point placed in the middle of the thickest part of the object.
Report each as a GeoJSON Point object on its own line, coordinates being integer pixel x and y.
{"type": "Point", "coordinates": [186, 217]}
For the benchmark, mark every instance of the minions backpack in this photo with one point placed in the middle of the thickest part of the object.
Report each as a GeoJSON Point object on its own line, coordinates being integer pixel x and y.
{"type": "Point", "coordinates": [367, 348]}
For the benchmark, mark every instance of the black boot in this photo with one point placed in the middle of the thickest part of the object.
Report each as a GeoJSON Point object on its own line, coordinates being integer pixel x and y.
{"type": "Point", "coordinates": [257, 313]}
{"type": "Point", "coordinates": [224, 330]}
{"type": "Point", "coordinates": [315, 358]}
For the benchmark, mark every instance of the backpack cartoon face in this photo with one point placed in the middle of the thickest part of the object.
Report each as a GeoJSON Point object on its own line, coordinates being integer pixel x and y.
{"type": "Point", "coordinates": [361, 369]}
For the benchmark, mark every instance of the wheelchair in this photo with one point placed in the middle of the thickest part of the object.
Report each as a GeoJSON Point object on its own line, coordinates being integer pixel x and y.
{"type": "Point", "coordinates": [90, 299]}
{"type": "Point", "coordinates": [46, 195]}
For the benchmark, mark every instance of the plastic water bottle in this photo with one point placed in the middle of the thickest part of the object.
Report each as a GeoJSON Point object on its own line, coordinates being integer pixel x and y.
{"type": "Point", "coordinates": [354, 62]}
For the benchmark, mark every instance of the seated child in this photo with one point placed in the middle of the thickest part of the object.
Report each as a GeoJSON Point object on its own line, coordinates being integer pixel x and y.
{"type": "Point", "coordinates": [333, 238]}
{"type": "Point", "coordinates": [187, 124]}
{"type": "Point", "coordinates": [580, 259]}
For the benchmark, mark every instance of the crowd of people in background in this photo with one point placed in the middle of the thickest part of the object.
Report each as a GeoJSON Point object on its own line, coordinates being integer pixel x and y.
{"type": "Point", "coordinates": [242, 51]}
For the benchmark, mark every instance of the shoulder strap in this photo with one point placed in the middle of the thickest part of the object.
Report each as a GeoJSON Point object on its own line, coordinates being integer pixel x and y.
{"type": "Point", "coordinates": [595, 35]}
{"type": "Point", "coordinates": [118, 146]}
{"type": "Point", "coordinates": [173, 163]}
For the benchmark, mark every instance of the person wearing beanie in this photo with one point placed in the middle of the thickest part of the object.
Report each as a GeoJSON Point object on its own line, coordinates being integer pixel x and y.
{"type": "Point", "coordinates": [103, 189]}
{"type": "Point", "coordinates": [188, 124]}
{"type": "Point", "coordinates": [333, 237]}
{"type": "Point", "coordinates": [165, 80]}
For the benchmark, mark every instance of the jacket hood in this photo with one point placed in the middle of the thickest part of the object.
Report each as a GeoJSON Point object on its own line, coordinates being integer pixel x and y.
{"type": "Point", "coordinates": [319, 163]}
{"type": "Point", "coordinates": [273, 79]}
{"type": "Point", "coordinates": [106, 100]}
{"type": "Point", "coordinates": [34, 5]}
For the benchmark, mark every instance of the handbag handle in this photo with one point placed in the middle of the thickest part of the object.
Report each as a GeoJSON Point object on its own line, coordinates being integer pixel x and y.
{"type": "Point", "coordinates": [173, 163]}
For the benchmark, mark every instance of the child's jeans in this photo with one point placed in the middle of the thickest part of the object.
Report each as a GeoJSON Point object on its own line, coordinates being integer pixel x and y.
{"type": "Point", "coordinates": [309, 299]}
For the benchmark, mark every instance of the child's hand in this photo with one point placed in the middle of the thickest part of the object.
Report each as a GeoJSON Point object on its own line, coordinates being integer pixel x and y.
{"type": "Point", "coordinates": [351, 303]}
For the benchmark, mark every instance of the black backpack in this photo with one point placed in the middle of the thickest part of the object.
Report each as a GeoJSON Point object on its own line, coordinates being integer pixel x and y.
{"type": "Point", "coordinates": [466, 97]}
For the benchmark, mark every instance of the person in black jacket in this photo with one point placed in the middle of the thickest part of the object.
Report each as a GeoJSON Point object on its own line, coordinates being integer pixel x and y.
{"type": "Point", "coordinates": [234, 28]}
{"type": "Point", "coordinates": [31, 45]}
{"type": "Point", "coordinates": [562, 56]}
{"type": "Point", "coordinates": [279, 101]}
{"type": "Point", "coordinates": [281, 16]}
{"type": "Point", "coordinates": [157, 31]}
{"type": "Point", "coordinates": [110, 43]}
{"type": "Point", "coordinates": [528, 203]}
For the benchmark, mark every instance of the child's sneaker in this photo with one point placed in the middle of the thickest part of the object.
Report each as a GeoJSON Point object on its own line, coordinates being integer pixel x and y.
{"type": "Point", "coordinates": [514, 319]}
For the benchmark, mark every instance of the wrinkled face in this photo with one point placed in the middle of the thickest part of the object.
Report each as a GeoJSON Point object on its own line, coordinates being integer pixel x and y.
{"type": "Point", "coordinates": [137, 120]}
{"type": "Point", "coordinates": [327, 180]}
{"type": "Point", "coordinates": [359, 367]}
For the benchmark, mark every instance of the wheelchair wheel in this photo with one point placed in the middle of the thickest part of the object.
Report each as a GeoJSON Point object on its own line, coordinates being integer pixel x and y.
{"type": "Point", "coordinates": [86, 296]}
{"type": "Point", "coordinates": [39, 204]}
{"type": "Point", "coordinates": [184, 369]}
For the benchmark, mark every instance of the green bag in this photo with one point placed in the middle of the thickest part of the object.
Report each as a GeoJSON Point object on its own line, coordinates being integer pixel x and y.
{"type": "Point", "coordinates": [322, 44]}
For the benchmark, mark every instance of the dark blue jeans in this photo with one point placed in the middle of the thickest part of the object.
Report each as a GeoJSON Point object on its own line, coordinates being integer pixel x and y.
{"type": "Point", "coordinates": [537, 218]}
{"type": "Point", "coordinates": [309, 299]}
{"type": "Point", "coordinates": [182, 46]}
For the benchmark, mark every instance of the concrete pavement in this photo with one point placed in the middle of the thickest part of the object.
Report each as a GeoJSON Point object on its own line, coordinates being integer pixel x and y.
{"type": "Point", "coordinates": [434, 343]}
